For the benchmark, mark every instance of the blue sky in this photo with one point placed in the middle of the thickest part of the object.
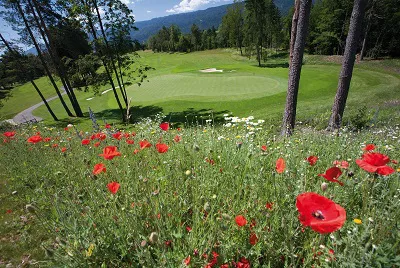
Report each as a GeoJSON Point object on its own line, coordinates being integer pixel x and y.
{"type": "Point", "coordinates": [146, 10]}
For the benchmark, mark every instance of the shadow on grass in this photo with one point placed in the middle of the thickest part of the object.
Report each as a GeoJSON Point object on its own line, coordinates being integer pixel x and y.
{"type": "Point", "coordinates": [188, 117]}
{"type": "Point", "coordinates": [274, 65]}
{"type": "Point", "coordinates": [193, 117]}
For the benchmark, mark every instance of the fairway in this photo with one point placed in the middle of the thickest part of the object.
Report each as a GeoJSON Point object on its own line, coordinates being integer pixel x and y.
{"type": "Point", "coordinates": [207, 87]}
{"type": "Point", "coordinates": [176, 87]}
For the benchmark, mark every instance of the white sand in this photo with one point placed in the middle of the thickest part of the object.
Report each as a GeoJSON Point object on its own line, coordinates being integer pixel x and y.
{"type": "Point", "coordinates": [211, 70]}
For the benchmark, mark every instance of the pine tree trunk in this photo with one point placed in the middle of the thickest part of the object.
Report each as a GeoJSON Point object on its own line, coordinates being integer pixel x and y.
{"type": "Point", "coordinates": [94, 34]}
{"type": "Point", "coordinates": [32, 82]}
{"type": "Point", "coordinates": [55, 58]}
{"type": "Point", "coordinates": [111, 54]}
{"type": "Point", "coordinates": [346, 72]}
{"type": "Point", "coordinates": [44, 100]}
{"type": "Point", "coordinates": [18, 5]}
{"type": "Point", "coordinates": [294, 29]}
{"type": "Point", "coordinates": [289, 116]}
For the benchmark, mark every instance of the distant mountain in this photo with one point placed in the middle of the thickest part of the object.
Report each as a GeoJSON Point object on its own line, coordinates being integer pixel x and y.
{"type": "Point", "coordinates": [203, 18]}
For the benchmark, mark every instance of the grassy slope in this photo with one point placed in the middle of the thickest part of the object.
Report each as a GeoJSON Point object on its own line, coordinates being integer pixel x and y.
{"type": "Point", "coordinates": [176, 87]}
{"type": "Point", "coordinates": [25, 96]}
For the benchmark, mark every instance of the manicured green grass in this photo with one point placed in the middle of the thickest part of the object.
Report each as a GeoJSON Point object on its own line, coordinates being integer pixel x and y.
{"type": "Point", "coordinates": [24, 96]}
{"type": "Point", "coordinates": [177, 88]}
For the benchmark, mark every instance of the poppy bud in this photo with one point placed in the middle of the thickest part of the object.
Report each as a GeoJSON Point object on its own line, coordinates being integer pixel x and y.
{"type": "Point", "coordinates": [226, 216]}
{"type": "Point", "coordinates": [30, 208]}
{"type": "Point", "coordinates": [207, 207]}
{"type": "Point", "coordinates": [153, 237]}
{"type": "Point", "coordinates": [324, 186]}
{"type": "Point", "coordinates": [49, 252]}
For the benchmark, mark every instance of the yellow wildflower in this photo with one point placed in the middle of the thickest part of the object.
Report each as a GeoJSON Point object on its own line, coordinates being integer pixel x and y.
{"type": "Point", "coordinates": [90, 250]}
{"type": "Point", "coordinates": [357, 221]}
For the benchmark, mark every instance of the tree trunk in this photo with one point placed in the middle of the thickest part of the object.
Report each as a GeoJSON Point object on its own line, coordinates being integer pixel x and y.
{"type": "Point", "coordinates": [90, 22]}
{"type": "Point", "coordinates": [111, 54]}
{"type": "Point", "coordinates": [289, 116]}
{"type": "Point", "coordinates": [42, 59]}
{"type": "Point", "coordinates": [32, 82]}
{"type": "Point", "coordinates": [346, 72]}
{"type": "Point", "coordinates": [294, 29]}
{"type": "Point", "coordinates": [55, 57]}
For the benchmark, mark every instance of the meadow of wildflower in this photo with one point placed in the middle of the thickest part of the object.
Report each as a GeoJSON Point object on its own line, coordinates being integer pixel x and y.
{"type": "Point", "coordinates": [230, 195]}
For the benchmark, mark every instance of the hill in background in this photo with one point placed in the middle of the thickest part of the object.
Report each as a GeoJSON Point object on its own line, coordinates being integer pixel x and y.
{"type": "Point", "coordinates": [203, 18]}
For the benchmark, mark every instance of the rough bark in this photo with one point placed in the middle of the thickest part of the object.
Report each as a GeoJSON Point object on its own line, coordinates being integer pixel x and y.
{"type": "Point", "coordinates": [346, 72]}
{"type": "Point", "coordinates": [94, 34]}
{"type": "Point", "coordinates": [19, 8]}
{"type": "Point", "coordinates": [55, 57]}
{"type": "Point", "coordinates": [124, 96]}
{"type": "Point", "coordinates": [32, 82]}
{"type": "Point", "coordinates": [289, 116]}
{"type": "Point", "coordinates": [294, 29]}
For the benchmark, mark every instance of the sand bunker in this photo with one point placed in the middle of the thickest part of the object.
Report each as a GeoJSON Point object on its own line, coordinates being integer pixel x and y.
{"type": "Point", "coordinates": [211, 70]}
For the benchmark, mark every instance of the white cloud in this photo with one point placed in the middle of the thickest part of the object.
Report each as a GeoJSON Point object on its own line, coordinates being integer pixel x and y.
{"type": "Point", "coordinates": [148, 11]}
{"type": "Point", "coordinates": [189, 5]}
{"type": "Point", "coordinates": [126, 2]}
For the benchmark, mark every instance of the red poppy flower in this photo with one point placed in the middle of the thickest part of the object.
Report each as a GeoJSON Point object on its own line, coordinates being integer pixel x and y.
{"type": "Point", "coordinates": [47, 139]}
{"type": "Point", "coordinates": [98, 168]}
{"type": "Point", "coordinates": [320, 213]}
{"type": "Point", "coordinates": [341, 164]}
{"type": "Point", "coordinates": [9, 134]}
{"type": "Point", "coordinates": [214, 260]}
{"type": "Point", "coordinates": [110, 152]}
{"type": "Point", "coordinates": [144, 144]}
{"type": "Point", "coordinates": [85, 141]}
{"type": "Point", "coordinates": [164, 126]}
{"type": "Point", "coordinates": [264, 148]}
{"type": "Point", "coordinates": [210, 161]}
{"type": "Point", "coordinates": [369, 147]}
{"type": "Point", "coordinates": [117, 135]}
{"type": "Point", "coordinates": [280, 165]}
{"type": "Point", "coordinates": [97, 144]}
{"type": "Point", "coordinates": [162, 148]}
{"type": "Point", "coordinates": [136, 151]}
{"type": "Point", "coordinates": [269, 205]}
{"type": "Point", "coordinates": [243, 263]}
{"type": "Point", "coordinates": [332, 174]}
{"type": "Point", "coordinates": [225, 265]}
{"type": "Point", "coordinates": [187, 261]}
{"type": "Point", "coordinates": [99, 136]}
{"type": "Point", "coordinates": [375, 163]}
{"type": "Point", "coordinates": [113, 187]}
{"type": "Point", "coordinates": [177, 138]}
{"type": "Point", "coordinates": [253, 239]}
{"type": "Point", "coordinates": [9, 211]}
{"type": "Point", "coordinates": [130, 141]}
{"type": "Point", "coordinates": [240, 220]}
{"type": "Point", "coordinates": [35, 139]}
{"type": "Point", "coordinates": [63, 149]}
{"type": "Point", "coordinates": [107, 126]}
{"type": "Point", "coordinates": [312, 160]}
{"type": "Point", "coordinates": [188, 228]}
{"type": "Point", "coordinates": [55, 145]}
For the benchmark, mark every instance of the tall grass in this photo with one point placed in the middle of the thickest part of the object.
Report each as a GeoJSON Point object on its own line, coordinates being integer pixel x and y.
{"type": "Point", "coordinates": [178, 208]}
